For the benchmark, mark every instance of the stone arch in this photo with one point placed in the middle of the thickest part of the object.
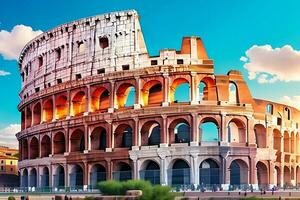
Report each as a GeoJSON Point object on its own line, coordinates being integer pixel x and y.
{"type": "Point", "coordinates": [45, 146]}
{"type": "Point", "coordinates": [98, 138]}
{"type": "Point", "coordinates": [34, 148]}
{"type": "Point", "coordinates": [33, 178]}
{"type": "Point", "coordinates": [179, 131]}
{"type": "Point", "coordinates": [97, 174]}
{"type": "Point", "coordinates": [150, 133]}
{"type": "Point", "coordinates": [122, 171]}
{"type": "Point", "coordinates": [286, 139]}
{"type": "Point", "coordinates": [292, 142]}
{"type": "Point", "coordinates": [150, 171]}
{"type": "Point", "coordinates": [260, 135]}
{"type": "Point", "coordinates": [207, 89]}
{"type": "Point", "coordinates": [48, 110]}
{"type": "Point", "coordinates": [24, 149]}
{"type": "Point", "coordinates": [269, 108]}
{"type": "Point", "coordinates": [59, 143]}
{"type": "Point", "coordinates": [59, 177]}
{"type": "Point", "coordinates": [76, 176]}
{"type": "Point", "coordinates": [152, 93]}
{"type": "Point", "coordinates": [100, 99]}
{"type": "Point", "coordinates": [125, 95]}
{"type": "Point", "coordinates": [78, 103]}
{"type": "Point", "coordinates": [28, 117]}
{"type": "Point", "coordinates": [180, 172]}
{"type": "Point", "coordinates": [209, 130]}
{"type": "Point", "coordinates": [123, 136]}
{"type": "Point", "coordinates": [61, 107]}
{"type": "Point", "coordinates": [262, 174]}
{"type": "Point", "coordinates": [45, 177]}
{"type": "Point", "coordinates": [209, 171]}
{"type": "Point", "coordinates": [37, 114]}
{"type": "Point", "coordinates": [236, 131]}
{"type": "Point", "coordinates": [286, 176]}
{"type": "Point", "coordinates": [233, 93]}
{"type": "Point", "coordinates": [277, 141]}
{"type": "Point", "coordinates": [24, 182]}
{"type": "Point", "coordinates": [277, 175]}
{"type": "Point", "coordinates": [238, 172]}
{"type": "Point", "coordinates": [297, 176]}
{"type": "Point", "coordinates": [180, 86]}
{"type": "Point", "coordinates": [77, 141]}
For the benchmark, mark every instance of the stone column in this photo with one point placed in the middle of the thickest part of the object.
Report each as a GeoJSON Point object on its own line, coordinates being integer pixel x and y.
{"type": "Point", "coordinates": [137, 101]}
{"type": "Point", "coordinates": [109, 169]}
{"type": "Point", "coordinates": [112, 97]}
{"type": "Point", "coordinates": [69, 104]}
{"type": "Point", "coordinates": [253, 170]}
{"type": "Point", "coordinates": [193, 86]}
{"type": "Point", "coordinates": [194, 170]}
{"type": "Point", "coordinates": [166, 87]}
{"type": "Point", "coordinates": [109, 136]}
{"type": "Point", "coordinates": [136, 136]}
{"type": "Point", "coordinates": [163, 170]}
{"type": "Point", "coordinates": [85, 175]}
{"type": "Point", "coordinates": [50, 176]}
{"type": "Point", "coordinates": [67, 184]}
{"type": "Point", "coordinates": [135, 168]}
{"type": "Point", "coordinates": [271, 172]}
{"type": "Point", "coordinates": [223, 129]}
{"type": "Point", "coordinates": [164, 133]}
{"type": "Point", "coordinates": [38, 179]}
{"type": "Point", "coordinates": [195, 132]}
{"type": "Point", "coordinates": [88, 101]}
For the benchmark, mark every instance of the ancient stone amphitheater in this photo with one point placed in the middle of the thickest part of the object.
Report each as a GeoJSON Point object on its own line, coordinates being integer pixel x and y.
{"type": "Point", "coordinates": [96, 106]}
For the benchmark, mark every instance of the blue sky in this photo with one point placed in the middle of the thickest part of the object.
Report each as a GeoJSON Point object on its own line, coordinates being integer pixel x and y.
{"type": "Point", "coordinates": [228, 28]}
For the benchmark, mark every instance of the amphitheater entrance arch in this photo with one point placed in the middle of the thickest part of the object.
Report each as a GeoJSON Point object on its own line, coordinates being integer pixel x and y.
{"type": "Point", "coordinates": [262, 174]}
{"type": "Point", "coordinates": [238, 172]}
{"type": "Point", "coordinates": [123, 172]}
{"type": "Point", "coordinates": [76, 176]}
{"type": "Point", "coordinates": [180, 173]}
{"type": "Point", "coordinates": [209, 172]}
{"type": "Point", "coordinates": [150, 172]}
{"type": "Point", "coordinates": [97, 174]}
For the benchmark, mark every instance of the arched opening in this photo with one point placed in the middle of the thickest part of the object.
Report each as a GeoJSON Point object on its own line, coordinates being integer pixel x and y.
{"type": "Point", "coordinates": [48, 110]}
{"type": "Point", "coordinates": [22, 120]}
{"type": "Point", "coordinates": [277, 140]}
{"type": "Point", "coordinates": [179, 131]}
{"type": "Point", "coordinates": [209, 131]}
{"type": "Point", "coordinates": [125, 95]}
{"type": "Point", "coordinates": [98, 139]}
{"type": "Point", "coordinates": [34, 148]}
{"type": "Point", "coordinates": [209, 173]}
{"type": "Point", "coordinates": [59, 143]}
{"type": "Point", "coordinates": [61, 107]}
{"type": "Point", "coordinates": [297, 176]}
{"type": "Point", "coordinates": [297, 145]}
{"type": "Point", "coordinates": [59, 177]}
{"type": "Point", "coordinates": [236, 131]}
{"type": "Point", "coordinates": [98, 174]}
{"type": "Point", "coordinates": [123, 136]}
{"type": "Point", "coordinates": [180, 91]}
{"type": "Point", "coordinates": [180, 173]}
{"type": "Point", "coordinates": [77, 141]}
{"type": "Point", "coordinates": [123, 172]}
{"type": "Point", "coordinates": [100, 99]}
{"type": "Point", "coordinates": [33, 178]}
{"type": "Point", "coordinates": [45, 177]}
{"type": "Point", "coordinates": [45, 146]}
{"type": "Point", "coordinates": [150, 133]}
{"type": "Point", "coordinates": [269, 109]}
{"type": "Point", "coordinates": [24, 149]}
{"type": "Point", "coordinates": [103, 42]}
{"type": "Point", "coordinates": [260, 135]}
{"type": "Point", "coordinates": [28, 117]}
{"type": "Point", "coordinates": [207, 89]}
{"type": "Point", "coordinates": [37, 114]}
{"type": "Point", "coordinates": [286, 139]}
{"type": "Point", "coordinates": [81, 47]}
{"type": "Point", "coordinates": [24, 182]}
{"type": "Point", "coordinates": [76, 177]}
{"type": "Point", "coordinates": [262, 174]}
{"type": "Point", "coordinates": [238, 172]}
{"type": "Point", "coordinates": [277, 176]}
{"type": "Point", "coordinates": [287, 176]}
{"type": "Point", "coordinates": [203, 92]}
{"type": "Point", "coordinates": [152, 93]}
{"type": "Point", "coordinates": [233, 93]}
{"type": "Point", "coordinates": [150, 172]}
{"type": "Point", "coordinates": [78, 104]}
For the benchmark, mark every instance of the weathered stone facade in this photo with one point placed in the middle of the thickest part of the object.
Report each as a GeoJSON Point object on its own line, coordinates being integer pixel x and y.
{"type": "Point", "coordinates": [77, 126]}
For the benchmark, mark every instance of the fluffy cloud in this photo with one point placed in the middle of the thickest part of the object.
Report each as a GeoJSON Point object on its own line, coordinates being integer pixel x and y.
{"type": "Point", "coordinates": [7, 135]}
{"type": "Point", "coordinates": [4, 73]}
{"type": "Point", "coordinates": [268, 65]}
{"type": "Point", "coordinates": [11, 43]}
{"type": "Point", "coordinates": [291, 101]}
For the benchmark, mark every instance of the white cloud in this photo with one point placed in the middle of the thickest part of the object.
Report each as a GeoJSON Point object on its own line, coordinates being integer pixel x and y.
{"type": "Point", "coordinates": [293, 101]}
{"type": "Point", "coordinates": [7, 135]}
{"type": "Point", "coordinates": [11, 43]}
{"type": "Point", "coordinates": [4, 73]}
{"type": "Point", "coordinates": [268, 65]}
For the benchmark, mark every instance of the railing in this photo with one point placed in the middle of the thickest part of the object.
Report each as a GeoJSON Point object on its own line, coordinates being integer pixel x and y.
{"type": "Point", "coordinates": [151, 175]}
{"type": "Point", "coordinates": [122, 175]}
{"type": "Point", "coordinates": [178, 177]}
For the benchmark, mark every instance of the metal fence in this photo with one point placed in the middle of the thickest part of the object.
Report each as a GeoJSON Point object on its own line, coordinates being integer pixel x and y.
{"type": "Point", "coordinates": [153, 176]}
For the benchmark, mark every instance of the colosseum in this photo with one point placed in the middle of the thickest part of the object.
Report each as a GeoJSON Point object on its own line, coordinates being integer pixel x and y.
{"type": "Point", "coordinates": [96, 106]}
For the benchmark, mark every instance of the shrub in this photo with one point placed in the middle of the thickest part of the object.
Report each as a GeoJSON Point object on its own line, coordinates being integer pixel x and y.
{"type": "Point", "coordinates": [89, 198]}
{"type": "Point", "coordinates": [11, 198]}
{"type": "Point", "coordinates": [162, 193]}
{"type": "Point", "coordinates": [111, 188]}
{"type": "Point", "coordinates": [145, 186]}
